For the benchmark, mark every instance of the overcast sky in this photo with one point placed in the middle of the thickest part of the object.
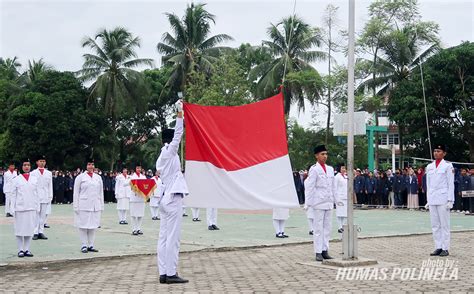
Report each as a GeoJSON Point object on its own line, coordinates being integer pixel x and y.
{"type": "Point", "coordinates": [53, 30]}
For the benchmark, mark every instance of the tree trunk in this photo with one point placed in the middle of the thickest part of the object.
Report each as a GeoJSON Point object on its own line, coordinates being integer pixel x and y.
{"type": "Point", "coordinates": [400, 141]}
{"type": "Point", "coordinates": [328, 122]}
{"type": "Point", "coordinates": [376, 117]}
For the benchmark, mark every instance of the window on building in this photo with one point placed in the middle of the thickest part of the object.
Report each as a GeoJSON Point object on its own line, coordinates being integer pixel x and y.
{"type": "Point", "coordinates": [383, 139]}
{"type": "Point", "coordinates": [393, 139]}
{"type": "Point", "coordinates": [382, 113]}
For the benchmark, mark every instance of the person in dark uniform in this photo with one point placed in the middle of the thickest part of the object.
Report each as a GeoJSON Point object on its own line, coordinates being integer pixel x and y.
{"type": "Point", "coordinates": [382, 190]}
{"type": "Point", "coordinates": [61, 188]}
{"type": "Point", "coordinates": [370, 188]}
{"type": "Point", "coordinates": [69, 184]}
{"type": "Point", "coordinates": [464, 185]}
{"type": "Point", "coordinates": [359, 187]}
{"type": "Point", "coordinates": [457, 192]}
{"type": "Point", "coordinates": [299, 187]}
{"type": "Point", "coordinates": [398, 189]}
{"type": "Point", "coordinates": [107, 187]}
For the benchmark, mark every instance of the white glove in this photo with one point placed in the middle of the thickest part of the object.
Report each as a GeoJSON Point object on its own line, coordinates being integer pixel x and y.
{"type": "Point", "coordinates": [305, 207]}
{"type": "Point", "coordinates": [427, 206]}
{"type": "Point", "coordinates": [449, 205]}
{"type": "Point", "coordinates": [339, 203]}
{"type": "Point", "coordinates": [179, 105]}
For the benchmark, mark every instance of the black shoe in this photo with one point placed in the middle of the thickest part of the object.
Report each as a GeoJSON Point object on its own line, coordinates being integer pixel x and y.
{"type": "Point", "coordinates": [135, 233]}
{"type": "Point", "coordinates": [311, 233]}
{"type": "Point", "coordinates": [279, 235]}
{"type": "Point", "coordinates": [42, 236]}
{"type": "Point", "coordinates": [325, 255]}
{"type": "Point", "coordinates": [210, 228]}
{"type": "Point", "coordinates": [47, 226]}
{"type": "Point", "coordinates": [120, 222]}
{"type": "Point", "coordinates": [444, 253]}
{"type": "Point", "coordinates": [9, 215]}
{"type": "Point", "coordinates": [21, 254]}
{"type": "Point", "coordinates": [436, 252]}
{"type": "Point", "coordinates": [184, 214]}
{"type": "Point", "coordinates": [139, 232]}
{"type": "Point", "coordinates": [283, 235]}
{"type": "Point", "coordinates": [215, 227]}
{"type": "Point", "coordinates": [125, 223]}
{"type": "Point", "coordinates": [162, 279]}
{"type": "Point", "coordinates": [319, 257]}
{"type": "Point", "coordinates": [340, 231]}
{"type": "Point", "coordinates": [92, 249]}
{"type": "Point", "coordinates": [84, 249]}
{"type": "Point", "coordinates": [175, 280]}
{"type": "Point", "coordinates": [35, 237]}
{"type": "Point", "coordinates": [28, 253]}
{"type": "Point", "coordinates": [196, 220]}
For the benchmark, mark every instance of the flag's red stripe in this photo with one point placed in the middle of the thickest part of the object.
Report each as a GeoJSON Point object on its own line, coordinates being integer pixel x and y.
{"type": "Point", "coordinates": [236, 137]}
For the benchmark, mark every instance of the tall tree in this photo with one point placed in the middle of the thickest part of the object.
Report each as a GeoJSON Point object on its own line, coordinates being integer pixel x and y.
{"type": "Point", "coordinates": [330, 22]}
{"type": "Point", "coordinates": [190, 46]}
{"type": "Point", "coordinates": [395, 39]}
{"type": "Point", "coordinates": [117, 87]}
{"type": "Point", "coordinates": [36, 69]}
{"type": "Point", "coordinates": [9, 68]}
{"type": "Point", "coordinates": [448, 78]}
{"type": "Point", "coordinates": [291, 43]}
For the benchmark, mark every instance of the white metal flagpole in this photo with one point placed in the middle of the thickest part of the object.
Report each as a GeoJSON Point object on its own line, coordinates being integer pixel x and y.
{"type": "Point", "coordinates": [350, 246]}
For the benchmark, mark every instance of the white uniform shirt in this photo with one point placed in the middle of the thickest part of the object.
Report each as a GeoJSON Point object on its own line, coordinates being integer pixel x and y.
{"type": "Point", "coordinates": [341, 186]}
{"type": "Point", "coordinates": [440, 183]}
{"type": "Point", "coordinates": [24, 194]}
{"type": "Point", "coordinates": [122, 186]}
{"type": "Point", "coordinates": [88, 193]}
{"type": "Point", "coordinates": [160, 188]}
{"type": "Point", "coordinates": [8, 176]}
{"type": "Point", "coordinates": [45, 185]}
{"type": "Point", "coordinates": [320, 190]}
{"type": "Point", "coordinates": [169, 166]}
{"type": "Point", "coordinates": [134, 197]}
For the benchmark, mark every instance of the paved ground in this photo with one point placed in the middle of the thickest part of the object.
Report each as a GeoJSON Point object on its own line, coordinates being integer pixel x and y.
{"type": "Point", "coordinates": [239, 229]}
{"type": "Point", "coordinates": [278, 269]}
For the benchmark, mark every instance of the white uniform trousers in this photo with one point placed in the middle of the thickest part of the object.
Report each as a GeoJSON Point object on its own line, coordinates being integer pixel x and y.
{"type": "Point", "coordinates": [195, 212]}
{"type": "Point", "coordinates": [39, 228]}
{"type": "Point", "coordinates": [211, 214]}
{"type": "Point", "coordinates": [322, 229]}
{"type": "Point", "coordinates": [169, 237]}
{"type": "Point", "coordinates": [8, 203]}
{"type": "Point", "coordinates": [440, 225]}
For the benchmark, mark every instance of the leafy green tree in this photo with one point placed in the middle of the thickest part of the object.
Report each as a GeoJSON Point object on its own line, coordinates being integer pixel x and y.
{"type": "Point", "coordinates": [449, 87]}
{"type": "Point", "coordinates": [51, 118]}
{"type": "Point", "coordinates": [36, 69]}
{"type": "Point", "coordinates": [226, 86]}
{"type": "Point", "coordinates": [190, 48]}
{"type": "Point", "coordinates": [290, 44]}
{"type": "Point", "coordinates": [117, 88]}
{"type": "Point", "coordinates": [396, 41]}
{"type": "Point", "coordinates": [9, 68]}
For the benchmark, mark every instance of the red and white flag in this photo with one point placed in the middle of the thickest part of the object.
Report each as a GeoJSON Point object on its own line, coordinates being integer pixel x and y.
{"type": "Point", "coordinates": [237, 156]}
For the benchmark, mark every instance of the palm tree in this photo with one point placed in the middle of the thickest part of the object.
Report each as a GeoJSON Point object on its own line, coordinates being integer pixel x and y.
{"type": "Point", "coordinates": [117, 87]}
{"type": "Point", "coordinates": [400, 56]}
{"type": "Point", "coordinates": [9, 67]}
{"type": "Point", "coordinates": [36, 69]}
{"type": "Point", "coordinates": [190, 48]}
{"type": "Point", "coordinates": [291, 42]}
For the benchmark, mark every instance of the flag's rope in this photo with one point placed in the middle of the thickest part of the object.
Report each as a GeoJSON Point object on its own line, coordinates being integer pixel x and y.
{"type": "Point", "coordinates": [424, 100]}
{"type": "Point", "coordinates": [288, 43]}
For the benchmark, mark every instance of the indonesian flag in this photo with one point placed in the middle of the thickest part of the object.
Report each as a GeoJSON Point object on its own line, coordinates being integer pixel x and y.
{"type": "Point", "coordinates": [237, 156]}
{"type": "Point", "coordinates": [143, 187]}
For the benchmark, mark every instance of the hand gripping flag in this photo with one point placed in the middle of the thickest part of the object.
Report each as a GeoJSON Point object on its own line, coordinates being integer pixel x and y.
{"type": "Point", "coordinates": [237, 156]}
{"type": "Point", "coordinates": [143, 187]}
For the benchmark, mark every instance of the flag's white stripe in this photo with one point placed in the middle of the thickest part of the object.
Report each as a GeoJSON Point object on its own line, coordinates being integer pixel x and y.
{"type": "Point", "coordinates": [262, 186]}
